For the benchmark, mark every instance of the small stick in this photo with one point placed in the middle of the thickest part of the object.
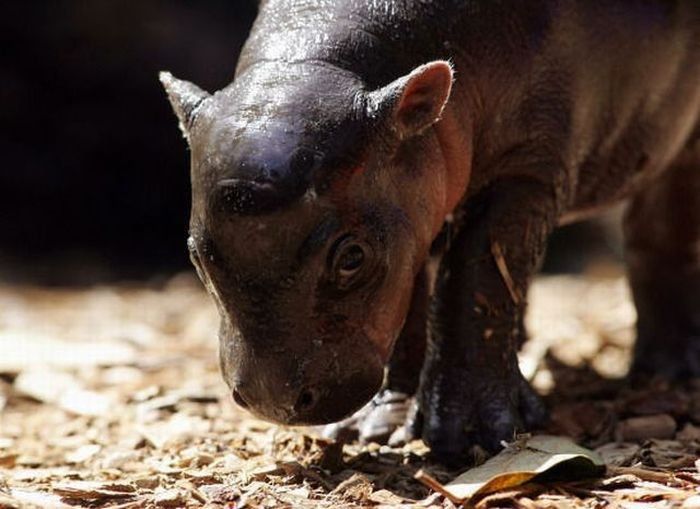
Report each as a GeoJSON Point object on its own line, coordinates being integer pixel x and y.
{"type": "Point", "coordinates": [685, 476]}
{"type": "Point", "coordinates": [434, 485]}
{"type": "Point", "coordinates": [642, 473]}
{"type": "Point", "coordinates": [500, 260]}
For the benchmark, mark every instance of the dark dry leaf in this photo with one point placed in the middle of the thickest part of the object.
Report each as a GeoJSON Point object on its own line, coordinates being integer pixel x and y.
{"type": "Point", "coordinates": [523, 461]}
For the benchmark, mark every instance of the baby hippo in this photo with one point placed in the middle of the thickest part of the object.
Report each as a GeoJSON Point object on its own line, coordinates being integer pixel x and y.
{"type": "Point", "coordinates": [362, 142]}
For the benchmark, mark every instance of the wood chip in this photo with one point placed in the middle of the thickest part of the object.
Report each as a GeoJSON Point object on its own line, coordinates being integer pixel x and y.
{"type": "Point", "coordinates": [691, 502]}
{"type": "Point", "coordinates": [6, 502]}
{"type": "Point", "coordinates": [386, 497]}
{"type": "Point", "coordinates": [40, 351]}
{"type": "Point", "coordinates": [94, 490]}
{"type": "Point", "coordinates": [38, 499]}
{"type": "Point", "coordinates": [8, 460]}
{"type": "Point", "coordinates": [178, 429]}
{"type": "Point", "coordinates": [168, 498]}
{"type": "Point", "coordinates": [358, 488]}
{"type": "Point", "coordinates": [63, 390]}
{"type": "Point", "coordinates": [83, 453]}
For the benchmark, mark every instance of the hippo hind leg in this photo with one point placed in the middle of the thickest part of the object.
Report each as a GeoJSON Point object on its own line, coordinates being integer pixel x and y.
{"type": "Point", "coordinates": [387, 411]}
{"type": "Point", "coordinates": [662, 238]}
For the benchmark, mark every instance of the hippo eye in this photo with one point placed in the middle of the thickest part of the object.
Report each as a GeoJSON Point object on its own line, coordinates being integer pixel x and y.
{"type": "Point", "coordinates": [351, 260]}
{"type": "Point", "coordinates": [348, 258]}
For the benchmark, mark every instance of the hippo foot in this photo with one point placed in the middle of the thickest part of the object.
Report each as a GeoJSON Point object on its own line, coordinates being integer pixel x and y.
{"type": "Point", "coordinates": [375, 422]}
{"type": "Point", "coordinates": [453, 419]}
{"type": "Point", "coordinates": [673, 359]}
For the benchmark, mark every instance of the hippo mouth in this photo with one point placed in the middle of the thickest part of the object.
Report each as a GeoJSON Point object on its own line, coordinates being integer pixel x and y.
{"type": "Point", "coordinates": [336, 403]}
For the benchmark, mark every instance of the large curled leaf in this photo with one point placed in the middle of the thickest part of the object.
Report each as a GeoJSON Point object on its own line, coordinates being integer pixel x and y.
{"type": "Point", "coordinates": [540, 458]}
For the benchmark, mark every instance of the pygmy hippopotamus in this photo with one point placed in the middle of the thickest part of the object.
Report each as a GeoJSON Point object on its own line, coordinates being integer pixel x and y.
{"type": "Point", "coordinates": [374, 191]}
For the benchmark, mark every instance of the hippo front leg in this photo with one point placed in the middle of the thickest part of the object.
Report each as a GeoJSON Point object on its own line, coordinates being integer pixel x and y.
{"type": "Point", "coordinates": [471, 390]}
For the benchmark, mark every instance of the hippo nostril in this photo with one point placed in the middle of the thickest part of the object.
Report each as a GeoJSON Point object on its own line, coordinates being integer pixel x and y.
{"type": "Point", "coordinates": [239, 399]}
{"type": "Point", "coordinates": [306, 400]}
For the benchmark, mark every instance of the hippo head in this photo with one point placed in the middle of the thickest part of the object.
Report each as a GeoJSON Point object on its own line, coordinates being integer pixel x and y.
{"type": "Point", "coordinates": [312, 211]}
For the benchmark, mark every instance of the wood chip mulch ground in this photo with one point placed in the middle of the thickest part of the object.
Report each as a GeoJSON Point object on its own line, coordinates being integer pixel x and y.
{"type": "Point", "coordinates": [111, 397]}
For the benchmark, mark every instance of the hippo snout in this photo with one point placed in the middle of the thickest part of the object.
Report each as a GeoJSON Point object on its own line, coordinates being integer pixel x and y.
{"type": "Point", "coordinates": [308, 391]}
{"type": "Point", "coordinates": [306, 401]}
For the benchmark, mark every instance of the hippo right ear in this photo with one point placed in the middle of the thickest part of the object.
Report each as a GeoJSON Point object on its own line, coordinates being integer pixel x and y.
{"type": "Point", "coordinates": [185, 98]}
{"type": "Point", "coordinates": [414, 102]}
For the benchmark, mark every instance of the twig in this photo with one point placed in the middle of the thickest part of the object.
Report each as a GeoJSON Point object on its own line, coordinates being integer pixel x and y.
{"type": "Point", "coordinates": [500, 260]}
{"type": "Point", "coordinates": [435, 485]}
{"type": "Point", "coordinates": [642, 473]}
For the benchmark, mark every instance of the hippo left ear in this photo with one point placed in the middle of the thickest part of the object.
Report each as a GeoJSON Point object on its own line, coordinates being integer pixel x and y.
{"type": "Point", "coordinates": [185, 98]}
{"type": "Point", "coordinates": [414, 102]}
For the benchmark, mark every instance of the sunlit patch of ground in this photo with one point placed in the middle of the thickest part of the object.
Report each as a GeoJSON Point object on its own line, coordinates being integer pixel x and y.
{"type": "Point", "coordinates": [111, 397]}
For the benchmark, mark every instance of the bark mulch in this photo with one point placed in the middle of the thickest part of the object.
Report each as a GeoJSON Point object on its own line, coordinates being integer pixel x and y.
{"type": "Point", "coordinates": [111, 397]}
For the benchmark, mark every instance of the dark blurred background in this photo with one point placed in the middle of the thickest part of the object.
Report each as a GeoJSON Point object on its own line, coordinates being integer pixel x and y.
{"type": "Point", "coordinates": [94, 184]}
{"type": "Point", "coordinates": [94, 178]}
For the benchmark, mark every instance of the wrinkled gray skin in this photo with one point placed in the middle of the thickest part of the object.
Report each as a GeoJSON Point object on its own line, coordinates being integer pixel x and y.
{"type": "Point", "coordinates": [323, 176]}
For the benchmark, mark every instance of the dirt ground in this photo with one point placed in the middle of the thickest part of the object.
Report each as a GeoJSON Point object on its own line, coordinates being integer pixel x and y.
{"type": "Point", "coordinates": [111, 397]}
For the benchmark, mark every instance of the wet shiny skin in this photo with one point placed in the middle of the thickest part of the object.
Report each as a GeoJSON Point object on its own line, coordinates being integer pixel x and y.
{"type": "Point", "coordinates": [342, 124]}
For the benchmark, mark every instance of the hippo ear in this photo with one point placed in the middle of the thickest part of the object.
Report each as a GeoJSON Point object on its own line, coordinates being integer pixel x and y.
{"type": "Point", "coordinates": [185, 98]}
{"type": "Point", "coordinates": [415, 101]}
